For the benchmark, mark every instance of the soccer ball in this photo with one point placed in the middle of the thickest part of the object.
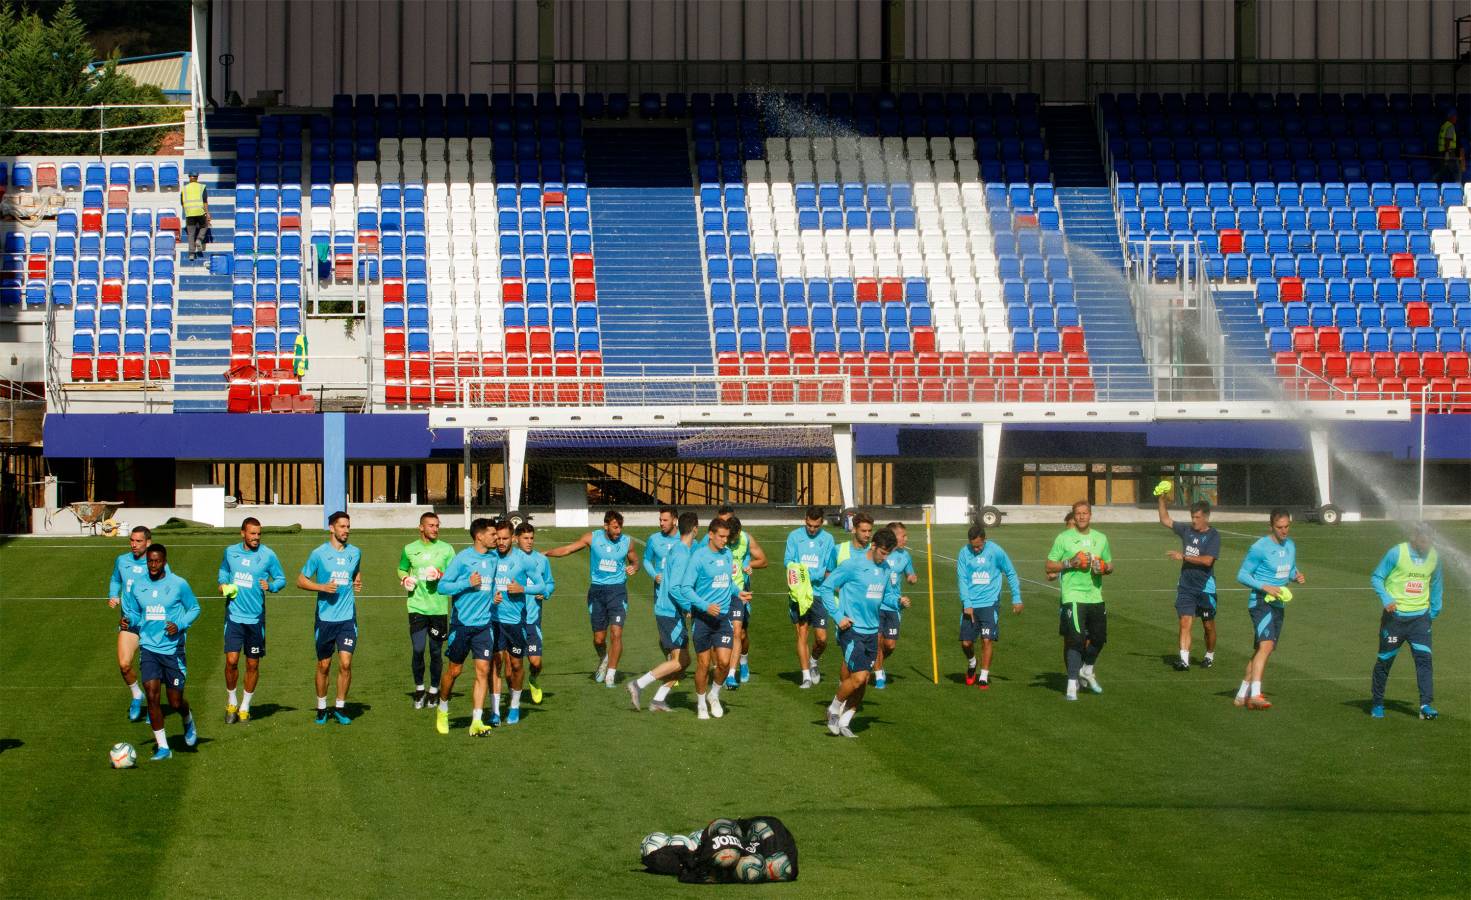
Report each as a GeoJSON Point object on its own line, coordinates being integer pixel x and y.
{"type": "Point", "coordinates": [760, 831]}
{"type": "Point", "coordinates": [696, 837]}
{"type": "Point", "coordinates": [722, 826]}
{"type": "Point", "coordinates": [778, 867]}
{"type": "Point", "coordinates": [684, 840]}
{"type": "Point", "coordinates": [655, 841]}
{"type": "Point", "coordinates": [727, 856]}
{"type": "Point", "coordinates": [122, 756]}
{"type": "Point", "coordinates": [751, 869]}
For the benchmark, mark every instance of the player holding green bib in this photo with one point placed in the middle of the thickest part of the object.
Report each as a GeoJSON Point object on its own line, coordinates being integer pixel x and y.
{"type": "Point", "coordinates": [1080, 556]}
{"type": "Point", "coordinates": [420, 567]}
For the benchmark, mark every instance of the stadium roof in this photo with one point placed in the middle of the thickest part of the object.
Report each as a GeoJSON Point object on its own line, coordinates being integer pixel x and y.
{"type": "Point", "coordinates": [169, 72]}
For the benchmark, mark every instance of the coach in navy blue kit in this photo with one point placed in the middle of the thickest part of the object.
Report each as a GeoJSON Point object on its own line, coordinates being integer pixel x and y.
{"type": "Point", "coordinates": [1200, 545]}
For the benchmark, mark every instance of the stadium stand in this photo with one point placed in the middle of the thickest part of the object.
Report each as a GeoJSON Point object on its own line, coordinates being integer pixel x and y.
{"type": "Point", "coordinates": [1324, 209]}
{"type": "Point", "coordinates": [911, 245]}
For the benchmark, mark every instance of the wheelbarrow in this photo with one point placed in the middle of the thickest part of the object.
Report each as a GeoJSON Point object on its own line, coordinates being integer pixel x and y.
{"type": "Point", "coordinates": [92, 514]}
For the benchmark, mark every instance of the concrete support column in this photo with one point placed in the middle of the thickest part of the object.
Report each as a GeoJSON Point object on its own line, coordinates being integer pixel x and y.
{"type": "Point", "coordinates": [847, 467]}
{"type": "Point", "coordinates": [515, 466]}
{"type": "Point", "coordinates": [990, 453]}
{"type": "Point", "coordinates": [1322, 466]}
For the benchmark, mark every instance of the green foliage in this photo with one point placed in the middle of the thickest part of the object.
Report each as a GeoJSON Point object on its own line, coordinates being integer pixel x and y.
{"type": "Point", "coordinates": [49, 63]}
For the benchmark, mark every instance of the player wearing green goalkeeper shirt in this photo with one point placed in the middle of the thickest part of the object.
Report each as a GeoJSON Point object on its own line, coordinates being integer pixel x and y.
{"type": "Point", "coordinates": [1081, 557]}
{"type": "Point", "coordinates": [419, 569]}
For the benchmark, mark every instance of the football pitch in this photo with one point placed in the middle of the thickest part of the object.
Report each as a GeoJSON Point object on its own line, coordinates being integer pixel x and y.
{"type": "Point", "coordinates": [1158, 787]}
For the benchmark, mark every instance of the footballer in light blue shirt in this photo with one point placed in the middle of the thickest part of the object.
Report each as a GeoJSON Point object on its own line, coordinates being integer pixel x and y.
{"type": "Point", "coordinates": [129, 566]}
{"type": "Point", "coordinates": [470, 579]}
{"type": "Point", "coordinates": [853, 595]}
{"type": "Point", "coordinates": [513, 582]}
{"type": "Point", "coordinates": [669, 616]}
{"type": "Point", "coordinates": [539, 569]}
{"type": "Point", "coordinates": [334, 573]}
{"type": "Point", "coordinates": [162, 606]}
{"type": "Point", "coordinates": [901, 571]}
{"type": "Point", "coordinates": [248, 571]}
{"type": "Point", "coordinates": [706, 587]}
{"type": "Point", "coordinates": [1269, 565]}
{"type": "Point", "coordinates": [814, 549]}
{"type": "Point", "coordinates": [611, 562]}
{"type": "Point", "coordinates": [979, 569]}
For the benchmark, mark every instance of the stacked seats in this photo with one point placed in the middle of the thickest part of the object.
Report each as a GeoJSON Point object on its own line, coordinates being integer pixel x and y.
{"type": "Point", "coordinates": [1324, 206]}
{"type": "Point", "coordinates": [266, 269]}
{"type": "Point", "coordinates": [110, 263]}
{"type": "Point", "coordinates": [473, 214]}
{"type": "Point", "coordinates": [889, 259]}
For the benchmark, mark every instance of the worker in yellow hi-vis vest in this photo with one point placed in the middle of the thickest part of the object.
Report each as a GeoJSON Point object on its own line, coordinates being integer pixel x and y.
{"type": "Point", "coordinates": [196, 215]}
{"type": "Point", "coordinates": [1448, 148]}
{"type": "Point", "coordinates": [1410, 584]}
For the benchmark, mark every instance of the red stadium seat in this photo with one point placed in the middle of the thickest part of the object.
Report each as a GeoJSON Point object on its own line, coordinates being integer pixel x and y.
{"type": "Point", "coordinates": [830, 370]}
{"type": "Point", "coordinates": [1360, 365]}
{"type": "Point", "coordinates": [1440, 399]}
{"type": "Point", "coordinates": [1077, 365]}
{"type": "Point", "coordinates": [924, 339]}
{"type": "Point", "coordinates": [516, 340]}
{"type": "Point", "coordinates": [418, 367]}
{"type": "Point", "coordinates": [1312, 362]}
{"type": "Point", "coordinates": [1230, 240]}
{"type": "Point", "coordinates": [1330, 340]}
{"type": "Point", "coordinates": [393, 291]}
{"type": "Point", "coordinates": [513, 291]}
{"type": "Point", "coordinates": [927, 364]}
{"type": "Point", "coordinates": [1402, 265]}
{"type": "Point", "coordinates": [582, 265]}
{"type": "Point", "coordinates": [977, 365]}
{"type": "Point", "coordinates": [1304, 338]}
{"type": "Point", "coordinates": [584, 291]}
{"type": "Point", "coordinates": [393, 341]}
{"type": "Point", "coordinates": [81, 368]}
{"type": "Point", "coordinates": [753, 367]}
{"type": "Point", "coordinates": [1461, 396]}
{"type": "Point", "coordinates": [1388, 218]}
{"type": "Point", "coordinates": [133, 367]}
{"type": "Point", "coordinates": [1290, 289]}
{"type": "Point", "coordinates": [799, 340]}
{"type": "Point", "coordinates": [1382, 366]}
{"type": "Point", "coordinates": [158, 368]}
{"type": "Point", "coordinates": [867, 290]}
{"type": "Point", "coordinates": [395, 392]}
{"type": "Point", "coordinates": [891, 290]}
{"type": "Point", "coordinates": [1335, 365]}
{"type": "Point", "coordinates": [779, 370]}
{"type": "Point", "coordinates": [419, 391]}
{"type": "Point", "coordinates": [1458, 365]}
{"type": "Point", "coordinates": [1407, 365]}
{"type": "Point", "coordinates": [728, 368]}
{"type": "Point", "coordinates": [1432, 365]}
{"type": "Point", "coordinates": [1417, 315]}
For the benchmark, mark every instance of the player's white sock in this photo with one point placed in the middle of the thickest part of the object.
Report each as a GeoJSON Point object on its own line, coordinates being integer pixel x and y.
{"type": "Point", "coordinates": [1210, 655]}
{"type": "Point", "coordinates": [985, 674]}
{"type": "Point", "coordinates": [645, 680]}
{"type": "Point", "coordinates": [612, 677]}
{"type": "Point", "coordinates": [1088, 671]}
{"type": "Point", "coordinates": [434, 691]}
{"type": "Point", "coordinates": [971, 663]}
{"type": "Point", "coordinates": [846, 718]}
{"type": "Point", "coordinates": [745, 659]}
{"type": "Point", "coordinates": [835, 708]}
{"type": "Point", "coordinates": [715, 691]}
{"type": "Point", "coordinates": [495, 706]}
{"type": "Point", "coordinates": [341, 702]}
{"type": "Point", "coordinates": [1072, 687]}
{"type": "Point", "coordinates": [1185, 656]}
{"type": "Point", "coordinates": [444, 706]}
{"type": "Point", "coordinates": [879, 673]}
{"type": "Point", "coordinates": [701, 702]}
{"type": "Point", "coordinates": [245, 701]}
{"type": "Point", "coordinates": [1245, 688]}
{"type": "Point", "coordinates": [661, 693]}
{"type": "Point", "coordinates": [515, 699]}
{"type": "Point", "coordinates": [1256, 689]}
{"type": "Point", "coordinates": [163, 739]}
{"type": "Point", "coordinates": [807, 676]}
{"type": "Point", "coordinates": [321, 703]}
{"type": "Point", "coordinates": [136, 690]}
{"type": "Point", "coordinates": [418, 687]}
{"type": "Point", "coordinates": [230, 693]}
{"type": "Point", "coordinates": [477, 715]}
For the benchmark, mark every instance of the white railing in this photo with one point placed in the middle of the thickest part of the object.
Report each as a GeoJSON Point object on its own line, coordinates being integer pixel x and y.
{"type": "Point", "coordinates": [103, 128]}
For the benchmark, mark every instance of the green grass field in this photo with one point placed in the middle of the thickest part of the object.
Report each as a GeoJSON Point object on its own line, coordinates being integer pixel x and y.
{"type": "Point", "coordinates": [1160, 787]}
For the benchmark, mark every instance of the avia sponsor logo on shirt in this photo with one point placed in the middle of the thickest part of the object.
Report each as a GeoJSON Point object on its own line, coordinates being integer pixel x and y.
{"type": "Point", "coordinates": [875, 591]}
{"type": "Point", "coordinates": [155, 611]}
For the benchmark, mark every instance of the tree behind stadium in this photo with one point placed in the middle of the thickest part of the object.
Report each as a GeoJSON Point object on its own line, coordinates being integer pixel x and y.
{"type": "Point", "coordinates": [50, 64]}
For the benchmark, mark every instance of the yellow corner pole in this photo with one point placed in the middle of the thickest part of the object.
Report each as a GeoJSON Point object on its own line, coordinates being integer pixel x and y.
{"type": "Point", "coordinates": [929, 557]}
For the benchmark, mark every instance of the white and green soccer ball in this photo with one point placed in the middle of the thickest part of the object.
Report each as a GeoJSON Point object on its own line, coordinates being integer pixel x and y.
{"type": "Point", "coordinates": [122, 756]}
{"type": "Point", "coordinates": [688, 842]}
{"type": "Point", "coordinates": [778, 867]}
{"type": "Point", "coordinates": [750, 869]}
{"type": "Point", "coordinates": [654, 842]}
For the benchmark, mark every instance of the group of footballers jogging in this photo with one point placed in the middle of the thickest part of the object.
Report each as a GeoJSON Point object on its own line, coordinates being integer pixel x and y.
{"type": "Point", "coordinates": [484, 603]}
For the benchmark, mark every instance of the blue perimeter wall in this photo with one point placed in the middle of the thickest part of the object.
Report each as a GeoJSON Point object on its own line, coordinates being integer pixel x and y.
{"type": "Point", "coordinates": [405, 437]}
